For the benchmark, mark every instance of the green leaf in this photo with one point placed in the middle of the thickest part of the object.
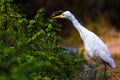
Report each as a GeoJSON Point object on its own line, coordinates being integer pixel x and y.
{"type": "Point", "coordinates": [32, 21]}
{"type": "Point", "coordinates": [46, 78]}
{"type": "Point", "coordinates": [50, 26]}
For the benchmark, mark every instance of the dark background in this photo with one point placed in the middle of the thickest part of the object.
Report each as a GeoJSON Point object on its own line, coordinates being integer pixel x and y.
{"type": "Point", "coordinates": [83, 9]}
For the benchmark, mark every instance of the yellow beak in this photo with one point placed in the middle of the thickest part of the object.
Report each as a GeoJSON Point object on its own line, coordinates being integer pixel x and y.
{"type": "Point", "coordinates": [59, 16]}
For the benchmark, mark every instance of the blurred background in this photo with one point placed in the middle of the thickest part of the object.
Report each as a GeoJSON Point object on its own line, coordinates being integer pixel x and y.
{"type": "Point", "coordinates": [100, 16]}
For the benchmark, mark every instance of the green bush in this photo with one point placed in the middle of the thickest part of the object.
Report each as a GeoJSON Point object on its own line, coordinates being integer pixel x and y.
{"type": "Point", "coordinates": [29, 49]}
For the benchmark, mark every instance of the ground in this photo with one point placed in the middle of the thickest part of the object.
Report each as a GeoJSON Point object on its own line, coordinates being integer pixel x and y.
{"type": "Point", "coordinates": [113, 43]}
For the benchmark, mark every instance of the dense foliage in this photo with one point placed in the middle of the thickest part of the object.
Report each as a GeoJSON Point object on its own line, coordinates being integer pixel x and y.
{"type": "Point", "coordinates": [29, 49]}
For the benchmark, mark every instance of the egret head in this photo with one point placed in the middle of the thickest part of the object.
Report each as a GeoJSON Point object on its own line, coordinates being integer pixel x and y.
{"type": "Point", "coordinates": [66, 15]}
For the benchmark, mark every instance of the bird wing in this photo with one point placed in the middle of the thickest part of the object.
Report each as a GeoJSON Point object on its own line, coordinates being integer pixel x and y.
{"type": "Point", "coordinates": [95, 47]}
{"type": "Point", "coordinates": [97, 50]}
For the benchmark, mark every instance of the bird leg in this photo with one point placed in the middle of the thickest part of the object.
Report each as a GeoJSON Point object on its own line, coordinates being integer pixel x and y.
{"type": "Point", "coordinates": [94, 73]}
{"type": "Point", "coordinates": [105, 75]}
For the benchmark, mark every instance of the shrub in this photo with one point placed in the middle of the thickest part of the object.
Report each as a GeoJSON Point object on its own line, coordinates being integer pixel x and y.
{"type": "Point", "coordinates": [29, 49]}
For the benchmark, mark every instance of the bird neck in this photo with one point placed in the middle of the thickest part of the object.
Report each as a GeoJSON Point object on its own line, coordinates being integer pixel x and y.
{"type": "Point", "coordinates": [77, 25]}
{"type": "Point", "coordinates": [82, 31]}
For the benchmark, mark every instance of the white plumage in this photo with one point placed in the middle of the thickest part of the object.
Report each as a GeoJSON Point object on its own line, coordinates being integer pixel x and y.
{"type": "Point", "coordinates": [94, 46]}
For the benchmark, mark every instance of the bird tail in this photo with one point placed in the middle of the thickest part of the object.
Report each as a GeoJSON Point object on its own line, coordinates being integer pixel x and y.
{"type": "Point", "coordinates": [112, 63]}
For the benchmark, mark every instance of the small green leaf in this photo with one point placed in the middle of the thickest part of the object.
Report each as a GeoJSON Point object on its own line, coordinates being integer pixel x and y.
{"type": "Point", "coordinates": [46, 78]}
{"type": "Point", "coordinates": [32, 21]}
{"type": "Point", "coordinates": [51, 20]}
{"type": "Point", "coordinates": [50, 26]}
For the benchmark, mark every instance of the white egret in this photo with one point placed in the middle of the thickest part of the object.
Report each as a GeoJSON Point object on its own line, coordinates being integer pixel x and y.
{"type": "Point", "coordinates": [94, 46]}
